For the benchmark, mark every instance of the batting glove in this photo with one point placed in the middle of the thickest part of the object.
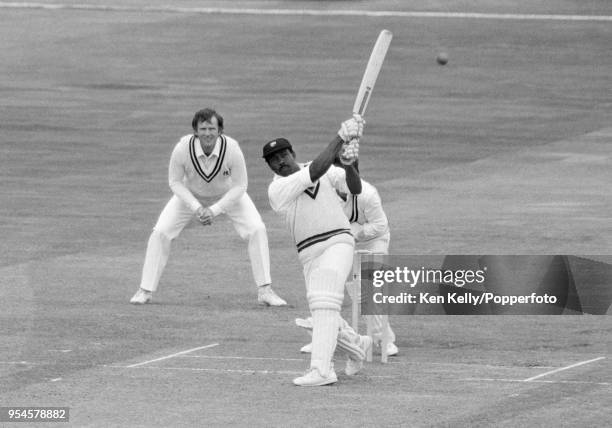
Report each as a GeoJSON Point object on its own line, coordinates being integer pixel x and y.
{"type": "Point", "coordinates": [350, 152]}
{"type": "Point", "coordinates": [351, 128]}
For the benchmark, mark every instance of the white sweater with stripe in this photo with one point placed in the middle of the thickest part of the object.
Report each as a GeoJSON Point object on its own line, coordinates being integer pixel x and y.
{"type": "Point", "coordinates": [312, 211]}
{"type": "Point", "coordinates": [196, 178]}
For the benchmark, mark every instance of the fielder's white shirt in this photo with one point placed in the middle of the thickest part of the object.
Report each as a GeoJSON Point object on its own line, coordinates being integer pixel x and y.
{"type": "Point", "coordinates": [312, 211]}
{"type": "Point", "coordinates": [193, 176]}
{"type": "Point", "coordinates": [365, 213]}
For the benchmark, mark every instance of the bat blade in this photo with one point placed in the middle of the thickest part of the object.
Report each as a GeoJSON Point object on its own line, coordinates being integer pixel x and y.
{"type": "Point", "coordinates": [370, 75]}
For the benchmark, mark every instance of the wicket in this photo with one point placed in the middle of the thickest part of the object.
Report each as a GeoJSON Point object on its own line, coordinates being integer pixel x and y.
{"type": "Point", "coordinates": [355, 285]}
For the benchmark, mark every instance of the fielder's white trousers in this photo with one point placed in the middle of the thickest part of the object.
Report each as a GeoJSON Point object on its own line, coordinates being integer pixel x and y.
{"type": "Point", "coordinates": [378, 245]}
{"type": "Point", "coordinates": [176, 215]}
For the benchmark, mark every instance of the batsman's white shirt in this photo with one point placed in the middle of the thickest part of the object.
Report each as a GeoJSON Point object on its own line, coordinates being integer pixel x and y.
{"type": "Point", "coordinates": [312, 211]}
{"type": "Point", "coordinates": [193, 176]}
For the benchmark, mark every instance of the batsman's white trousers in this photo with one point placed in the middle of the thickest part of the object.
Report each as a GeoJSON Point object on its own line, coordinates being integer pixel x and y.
{"type": "Point", "coordinates": [378, 245]}
{"type": "Point", "coordinates": [325, 276]}
{"type": "Point", "coordinates": [176, 215]}
{"type": "Point", "coordinates": [336, 258]}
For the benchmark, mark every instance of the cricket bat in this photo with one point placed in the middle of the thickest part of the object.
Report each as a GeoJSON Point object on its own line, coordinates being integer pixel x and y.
{"type": "Point", "coordinates": [371, 72]}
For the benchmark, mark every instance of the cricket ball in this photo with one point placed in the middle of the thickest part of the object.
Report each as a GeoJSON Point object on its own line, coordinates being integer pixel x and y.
{"type": "Point", "coordinates": [442, 58]}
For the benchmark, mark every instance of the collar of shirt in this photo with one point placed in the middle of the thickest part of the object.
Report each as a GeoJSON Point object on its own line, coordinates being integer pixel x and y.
{"type": "Point", "coordinates": [200, 152]}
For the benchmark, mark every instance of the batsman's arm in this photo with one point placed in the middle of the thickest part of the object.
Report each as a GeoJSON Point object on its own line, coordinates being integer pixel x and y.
{"type": "Point", "coordinates": [319, 166]}
{"type": "Point", "coordinates": [345, 178]}
{"type": "Point", "coordinates": [349, 129]}
{"type": "Point", "coordinates": [353, 181]}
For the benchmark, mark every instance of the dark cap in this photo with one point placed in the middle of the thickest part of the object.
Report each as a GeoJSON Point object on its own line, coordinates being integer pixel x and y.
{"type": "Point", "coordinates": [274, 146]}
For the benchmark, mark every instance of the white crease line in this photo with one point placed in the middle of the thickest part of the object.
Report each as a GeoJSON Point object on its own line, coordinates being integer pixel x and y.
{"type": "Point", "coordinates": [21, 363]}
{"type": "Point", "coordinates": [363, 374]}
{"type": "Point", "coordinates": [580, 382]}
{"type": "Point", "coordinates": [563, 368]}
{"type": "Point", "coordinates": [172, 355]}
{"type": "Point", "coordinates": [199, 369]}
{"type": "Point", "coordinates": [240, 371]}
{"type": "Point", "coordinates": [494, 366]}
{"type": "Point", "coordinates": [309, 12]}
{"type": "Point", "coordinates": [221, 357]}
{"type": "Point", "coordinates": [419, 363]}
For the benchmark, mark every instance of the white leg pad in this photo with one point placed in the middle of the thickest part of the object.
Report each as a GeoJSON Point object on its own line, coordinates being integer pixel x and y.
{"type": "Point", "coordinates": [325, 294]}
{"type": "Point", "coordinates": [325, 290]}
{"type": "Point", "coordinates": [324, 334]}
{"type": "Point", "coordinates": [349, 341]}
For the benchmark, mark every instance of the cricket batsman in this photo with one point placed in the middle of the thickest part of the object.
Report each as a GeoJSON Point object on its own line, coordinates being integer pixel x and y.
{"type": "Point", "coordinates": [305, 195]}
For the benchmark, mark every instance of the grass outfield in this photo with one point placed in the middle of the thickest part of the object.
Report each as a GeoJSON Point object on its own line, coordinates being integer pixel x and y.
{"type": "Point", "coordinates": [505, 150]}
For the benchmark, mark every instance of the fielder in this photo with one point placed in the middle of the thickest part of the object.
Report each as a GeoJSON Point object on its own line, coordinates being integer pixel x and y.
{"type": "Point", "coordinates": [207, 166]}
{"type": "Point", "coordinates": [305, 195]}
{"type": "Point", "coordinates": [370, 228]}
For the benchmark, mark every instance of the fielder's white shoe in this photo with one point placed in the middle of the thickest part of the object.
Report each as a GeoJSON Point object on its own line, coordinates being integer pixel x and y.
{"type": "Point", "coordinates": [267, 296]}
{"type": "Point", "coordinates": [141, 297]}
{"type": "Point", "coordinates": [392, 349]}
{"type": "Point", "coordinates": [353, 365]}
{"type": "Point", "coordinates": [314, 378]}
{"type": "Point", "coordinates": [306, 349]}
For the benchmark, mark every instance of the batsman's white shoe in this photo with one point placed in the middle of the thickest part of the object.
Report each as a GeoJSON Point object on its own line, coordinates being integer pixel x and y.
{"type": "Point", "coordinates": [354, 365]}
{"type": "Point", "coordinates": [314, 378]}
{"type": "Point", "coordinates": [304, 323]}
{"type": "Point", "coordinates": [267, 296]}
{"type": "Point", "coordinates": [141, 297]}
{"type": "Point", "coordinates": [306, 349]}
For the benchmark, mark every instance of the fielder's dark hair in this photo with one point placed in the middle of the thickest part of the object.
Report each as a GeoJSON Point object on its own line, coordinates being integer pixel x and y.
{"type": "Point", "coordinates": [205, 115]}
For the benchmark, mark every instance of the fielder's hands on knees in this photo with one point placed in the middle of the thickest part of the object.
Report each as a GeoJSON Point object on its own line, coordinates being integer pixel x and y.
{"type": "Point", "coordinates": [205, 216]}
{"type": "Point", "coordinates": [351, 128]}
{"type": "Point", "coordinates": [349, 152]}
